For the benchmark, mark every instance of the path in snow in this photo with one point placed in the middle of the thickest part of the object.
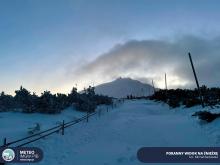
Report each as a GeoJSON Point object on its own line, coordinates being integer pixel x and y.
{"type": "Point", "coordinates": [115, 138]}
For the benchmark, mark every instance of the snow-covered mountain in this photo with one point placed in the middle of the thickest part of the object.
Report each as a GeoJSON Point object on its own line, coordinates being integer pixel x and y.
{"type": "Point", "coordinates": [122, 87]}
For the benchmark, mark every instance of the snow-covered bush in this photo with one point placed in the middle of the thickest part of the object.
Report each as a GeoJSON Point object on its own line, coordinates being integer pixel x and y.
{"type": "Point", "coordinates": [23, 100]}
{"type": "Point", "coordinates": [85, 104]}
{"type": "Point", "coordinates": [7, 102]}
{"type": "Point", "coordinates": [47, 103]}
{"type": "Point", "coordinates": [188, 98]}
{"type": "Point", "coordinates": [52, 103]}
{"type": "Point", "coordinates": [207, 116]}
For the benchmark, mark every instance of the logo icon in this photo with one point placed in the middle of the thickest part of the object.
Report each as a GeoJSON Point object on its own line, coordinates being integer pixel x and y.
{"type": "Point", "coordinates": [8, 155]}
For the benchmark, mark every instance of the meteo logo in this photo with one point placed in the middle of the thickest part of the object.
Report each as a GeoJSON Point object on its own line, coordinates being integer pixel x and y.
{"type": "Point", "coordinates": [25, 152]}
{"type": "Point", "coordinates": [8, 155]}
{"type": "Point", "coordinates": [20, 155]}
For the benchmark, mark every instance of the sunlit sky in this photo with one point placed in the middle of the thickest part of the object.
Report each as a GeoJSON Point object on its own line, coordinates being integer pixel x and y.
{"type": "Point", "coordinates": [55, 44]}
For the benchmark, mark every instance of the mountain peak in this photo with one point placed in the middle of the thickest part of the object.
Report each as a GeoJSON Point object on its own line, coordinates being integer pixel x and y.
{"type": "Point", "coordinates": [123, 79]}
{"type": "Point", "coordinates": [121, 87]}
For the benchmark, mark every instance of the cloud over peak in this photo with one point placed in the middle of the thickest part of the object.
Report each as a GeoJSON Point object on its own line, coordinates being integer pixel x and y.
{"type": "Point", "coordinates": [150, 59]}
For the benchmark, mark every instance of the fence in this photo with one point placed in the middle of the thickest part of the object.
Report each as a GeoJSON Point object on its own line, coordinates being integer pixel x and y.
{"type": "Point", "coordinates": [37, 136]}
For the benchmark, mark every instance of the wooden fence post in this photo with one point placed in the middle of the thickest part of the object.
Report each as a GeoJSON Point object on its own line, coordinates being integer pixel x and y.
{"type": "Point", "coordinates": [5, 142]}
{"type": "Point", "coordinates": [166, 81]}
{"type": "Point", "coordinates": [63, 128]}
{"type": "Point", "coordinates": [166, 92]}
{"type": "Point", "coordinates": [87, 117]}
{"type": "Point", "coordinates": [197, 82]}
{"type": "Point", "coordinates": [153, 86]}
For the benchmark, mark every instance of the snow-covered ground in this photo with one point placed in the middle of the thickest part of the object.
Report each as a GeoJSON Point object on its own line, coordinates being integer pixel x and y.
{"type": "Point", "coordinates": [14, 125]}
{"type": "Point", "coordinates": [115, 137]}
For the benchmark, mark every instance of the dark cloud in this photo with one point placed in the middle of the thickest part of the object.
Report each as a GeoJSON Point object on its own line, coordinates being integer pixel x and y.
{"type": "Point", "coordinates": [150, 59]}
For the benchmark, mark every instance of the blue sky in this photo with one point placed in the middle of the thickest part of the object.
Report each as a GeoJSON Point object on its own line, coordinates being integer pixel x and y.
{"type": "Point", "coordinates": [43, 43]}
